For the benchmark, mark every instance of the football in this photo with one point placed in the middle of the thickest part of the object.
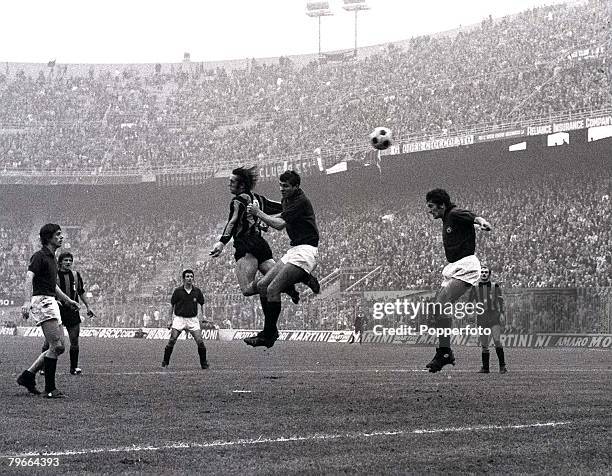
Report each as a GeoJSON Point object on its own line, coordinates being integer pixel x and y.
{"type": "Point", "coordinates": [381, 138]}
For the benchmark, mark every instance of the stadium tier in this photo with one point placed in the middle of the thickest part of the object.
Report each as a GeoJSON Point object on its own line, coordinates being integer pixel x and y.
{"type": "Point", "coordinates": [539, 63]}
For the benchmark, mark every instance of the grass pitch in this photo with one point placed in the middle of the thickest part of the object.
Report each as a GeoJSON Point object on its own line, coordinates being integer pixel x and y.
{"type": "Point", "coordinates": [308, 408]}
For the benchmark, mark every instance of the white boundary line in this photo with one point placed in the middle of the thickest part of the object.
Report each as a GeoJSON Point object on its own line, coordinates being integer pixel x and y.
{"type": "Point", "coordinates": [178, 373]}
{"type": "Point", "coordinates": [282, 439]}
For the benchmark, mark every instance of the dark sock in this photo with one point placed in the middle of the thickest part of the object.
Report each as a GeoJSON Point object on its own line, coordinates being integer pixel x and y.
{"type": "Point", "coordinates": [167, 353]}
{"type": "Point", "coordinates": [485, 360]}
{"type": "Point", "coordinates": [264, 304]}
{"type": "Point", "coordinates": [74, 356]}
{"type": "Point", "coordinates": [49, 366]}
{"type": "Point", "coordinates": [202, 353]}
{"type": "Point", "coordinates": [274, 310]}
{"type": "Point", "coordinates": [444, 323]}
{"type": "Point", "coordinates": [500, 355]}
{"type": "Point", "coordinates": [293, 293]}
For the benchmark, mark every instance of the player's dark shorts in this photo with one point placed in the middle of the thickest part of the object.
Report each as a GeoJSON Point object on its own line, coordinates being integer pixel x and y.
{"type": "Point", "coordinates": [255, 245]}
{"type": "Point", "coordinates": [488, 320]}
{"type": "Point", "coordinates": [69, 318]}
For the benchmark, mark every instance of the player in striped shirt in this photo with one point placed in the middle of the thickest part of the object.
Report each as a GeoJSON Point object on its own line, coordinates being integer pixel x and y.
{"type": "Point", "coordinates": [489, 294]}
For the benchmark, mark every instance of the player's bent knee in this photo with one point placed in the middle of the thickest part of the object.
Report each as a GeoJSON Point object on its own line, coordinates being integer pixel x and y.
{"type": "Point", "coordinates": [59, 349]}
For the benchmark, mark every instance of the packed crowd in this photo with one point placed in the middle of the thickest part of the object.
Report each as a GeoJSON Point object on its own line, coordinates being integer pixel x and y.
{"type": "Point", "coordinates": [550, 231]}
{"type": "Point", "coordinates": [515, 68]}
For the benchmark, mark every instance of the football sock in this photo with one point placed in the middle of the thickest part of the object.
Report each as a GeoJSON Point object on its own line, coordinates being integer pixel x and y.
{"type": "Point", "coordinates": [74, 356]}
{"type": "Point", "coordinates": [485, 359]}
{"type": "Point", "coordinates": [264, 304]}
{"type": "Point", "coordinates": [444, 323]}
{"type": "Point", "coordinates": [293, 293]}
{"type": "Point", "coordinates": [500, 355]}
{"type": "Point", "coordinates": [50, 366]}
{"type": "Point", "coordinates": [274, 310]}
{"type": "Point", "coordinates": [167, 353]}
{"type": "Point", "coordinates": [202, 354]}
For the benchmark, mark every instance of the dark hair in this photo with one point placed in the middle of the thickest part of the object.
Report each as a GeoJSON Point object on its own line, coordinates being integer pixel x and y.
{"type": "Point", "coordinates": [439, 196]}
{"type": "Point", "coordinates": [293, 178]}
{"type": "Point", "coordinates": [187, 271]}
{"type": "Point", "coordinates": [484, 266]}
{"type": "Point", "coordinates": [65, 254]}
{"type": "Point", "coordinates": [47, 232]}
{"type": "Point", "coordinates": [248, 177]}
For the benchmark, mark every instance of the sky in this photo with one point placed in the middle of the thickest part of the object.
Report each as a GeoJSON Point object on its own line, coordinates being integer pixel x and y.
{"type": "Point", "coordinates": [152, 31]}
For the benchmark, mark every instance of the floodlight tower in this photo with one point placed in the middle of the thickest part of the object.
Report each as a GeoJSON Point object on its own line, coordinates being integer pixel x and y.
{"type": "Point", "coordinates": [318, 10]}
{"type": "Point", "coordinates": [355, 6]}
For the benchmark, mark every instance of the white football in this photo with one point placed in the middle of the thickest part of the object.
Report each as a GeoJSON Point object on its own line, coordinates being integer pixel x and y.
{"type": "Point", "coordinates": [381, 138]}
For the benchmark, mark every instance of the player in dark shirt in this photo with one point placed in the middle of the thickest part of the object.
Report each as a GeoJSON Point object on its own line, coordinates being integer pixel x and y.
{"type": "Point", "coordinates": [40, 291]}
{"type": "Point", "coordinates": [359, 326]}
{"type": "Point", "coordinates": [297, 265]}
{"type": "Point", "coordinates": [71, 284]}
{"type": "Point", "coordinates": [463, 270]}
{"type": "Point", "coordinates": [489, 294]}
{"type": "Point", "coordinates": [184, 315]}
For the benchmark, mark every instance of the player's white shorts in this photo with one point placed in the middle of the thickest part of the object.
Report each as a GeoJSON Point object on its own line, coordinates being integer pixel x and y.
{"type": "Point", "coordinates": [302, 256]}
{"type": "Point", "coordinates": [44, 308]}
{"type": "Point", "coordinates": [185, 323]}
{"type": "Point", "coordinates": [466, 269]}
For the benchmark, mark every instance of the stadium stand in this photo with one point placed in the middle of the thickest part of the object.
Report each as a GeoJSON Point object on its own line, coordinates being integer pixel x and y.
{"type": "Point", "coordinates": [539, 63]}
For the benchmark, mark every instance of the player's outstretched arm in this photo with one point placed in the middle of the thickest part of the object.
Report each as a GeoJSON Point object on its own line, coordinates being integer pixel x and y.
{"type": "Point", "coordinates": [236, 210]}
{"type": "Point", "coordinates": [275, 222]}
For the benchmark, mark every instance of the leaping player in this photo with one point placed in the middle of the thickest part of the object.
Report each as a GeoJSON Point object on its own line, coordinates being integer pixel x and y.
{"type": "Point", "coordinates": [298, 263]}
{"type": "Point", "coordinates": [463, 270]}
{"type": "Point", "coordinates": [252, 251]}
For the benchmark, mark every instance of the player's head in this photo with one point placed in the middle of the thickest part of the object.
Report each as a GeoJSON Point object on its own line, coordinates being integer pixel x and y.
{"type": "Point", "coordinates": [243, 179]}
{"type": "Point", "coordinates": [65, 260]}
{"type": "Point", "coordinates": [51, 234]}
{"type": "Point", "coordinates": [188, 276]}
{"type": "Point", "coordinates": [438, 202]}
{"type": "Point", "coordinates": [289, 183]}
{"type": "Point", "coordinates": [485, 274]}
